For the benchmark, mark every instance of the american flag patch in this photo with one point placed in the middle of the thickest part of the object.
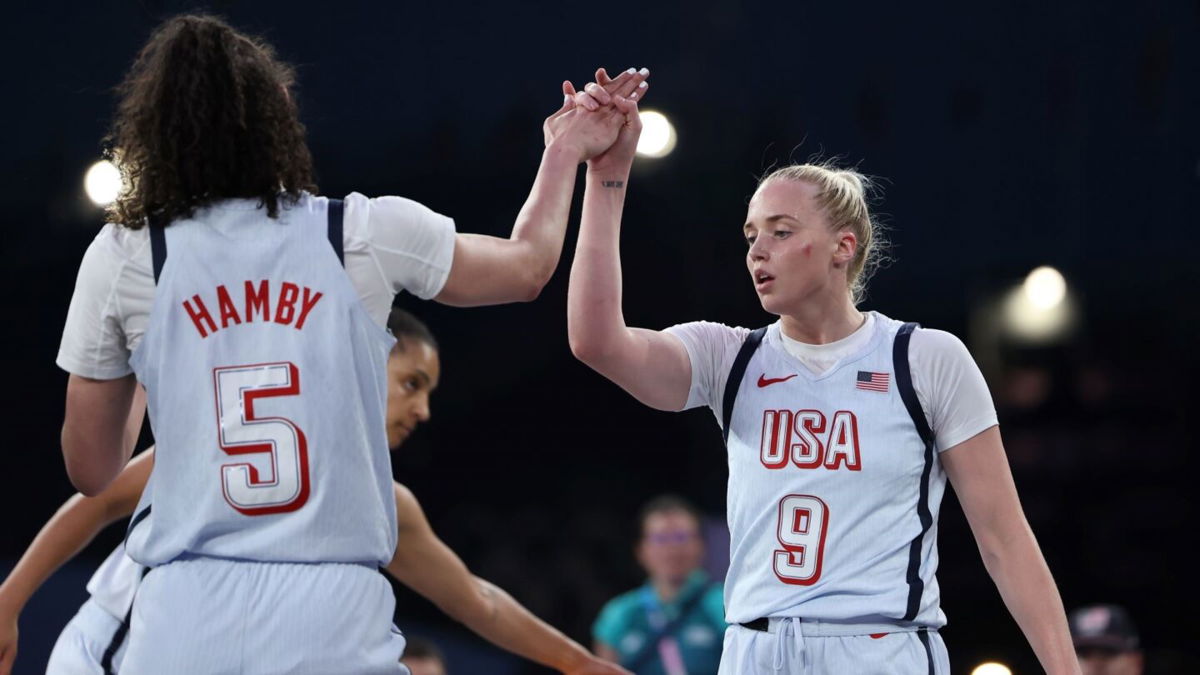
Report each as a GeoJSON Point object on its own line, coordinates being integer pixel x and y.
{"type": "Point", "coordinates": [872, 381]}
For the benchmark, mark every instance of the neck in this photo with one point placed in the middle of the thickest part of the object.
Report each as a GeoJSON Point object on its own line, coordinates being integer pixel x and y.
{"type": "Point", "coordinates": [668, 589]}
{"type": "Point", "coordinates": [823, 319]}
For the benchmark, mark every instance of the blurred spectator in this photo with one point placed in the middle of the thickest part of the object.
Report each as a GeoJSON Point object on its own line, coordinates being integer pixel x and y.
{"type": "Point", "coordinates": [423, 657]}
{"type": "Point", "coordinates": [1105, 640]}
{"type": "Point", "coordinates": [675, 623]}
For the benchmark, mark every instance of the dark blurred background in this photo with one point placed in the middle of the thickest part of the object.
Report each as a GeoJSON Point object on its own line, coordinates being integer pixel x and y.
{"type": "Point", "coordinates": [1009, 135]}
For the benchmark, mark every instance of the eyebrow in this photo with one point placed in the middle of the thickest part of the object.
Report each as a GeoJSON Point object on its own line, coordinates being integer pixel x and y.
{"type": "Point", "coordinates": [774, 219]}
{"type": "Point", "coordinates": [424, 376]}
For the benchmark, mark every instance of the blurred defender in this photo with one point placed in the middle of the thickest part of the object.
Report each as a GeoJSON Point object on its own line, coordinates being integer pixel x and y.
{"type": "Point", "coordinates": [253, 314]}
{"type": "Point", "coordinates": [94, 643]}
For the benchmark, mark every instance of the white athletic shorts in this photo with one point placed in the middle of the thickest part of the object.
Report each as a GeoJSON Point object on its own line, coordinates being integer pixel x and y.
{"type": "Point", "coordinates": [215, 617]}
{"type": "Point", "coordinates": [81, 645]}
{"type": "Point", "coordinates": [795, 647]}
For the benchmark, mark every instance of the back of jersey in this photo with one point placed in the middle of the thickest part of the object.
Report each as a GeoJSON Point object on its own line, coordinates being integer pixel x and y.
{"type": "Point", "coordinates": [266, 385]}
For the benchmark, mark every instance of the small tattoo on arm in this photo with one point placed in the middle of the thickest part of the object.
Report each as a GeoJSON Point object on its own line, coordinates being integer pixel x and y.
{"type": "Point", "coordinates": [613, 183]}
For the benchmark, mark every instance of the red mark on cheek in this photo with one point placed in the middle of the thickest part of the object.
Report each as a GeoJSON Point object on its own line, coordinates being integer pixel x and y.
{"type": "Point", "coordinates": [807, 250]}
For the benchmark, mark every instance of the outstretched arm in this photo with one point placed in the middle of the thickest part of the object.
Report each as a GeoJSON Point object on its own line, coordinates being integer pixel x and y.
{"type": "Point", "coordinates": [70, 529]}
{"type": "Point", "coordinates": [979, 472]}
{"type": "Point", "coordinates": [491, 270]}
{"type": "Point", "coordinates": [651, 365]}
{"type": "Point", "coordinates": [429, 567]}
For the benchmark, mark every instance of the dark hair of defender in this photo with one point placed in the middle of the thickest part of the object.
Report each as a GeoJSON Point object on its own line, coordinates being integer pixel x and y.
{"type": "Point", "coordinates": [405, 326]}
{"type": "Point", "coordinates": [205, 113]}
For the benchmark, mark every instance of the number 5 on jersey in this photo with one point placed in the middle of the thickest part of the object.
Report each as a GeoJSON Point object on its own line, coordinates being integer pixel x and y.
{"type": "Point", "coordinates": [803, 520]}
{"type": "Point", "coordinates": [277, 480]}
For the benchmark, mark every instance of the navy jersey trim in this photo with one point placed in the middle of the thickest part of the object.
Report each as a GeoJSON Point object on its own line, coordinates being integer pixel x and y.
{"type": "Point", "coordinates": [923, 636]}
{"type": "Point", "coordinates": [335, 213]}
{"type": "Point", "coordinates": [137, 519]}
{"type": "Point", "coordinates": [118, 637]}
{"type": "Point", "coordinates": [736, 373]}
{"type": "Point", "coordinates": [158, 248]}
{"type": "Point", "coordinates": [916, 587]}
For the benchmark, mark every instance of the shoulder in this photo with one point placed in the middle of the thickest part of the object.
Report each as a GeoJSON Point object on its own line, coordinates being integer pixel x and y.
{"type": "Point", "coordinates": [709, 340]}
{"type": "Point", "coordinates": [714, 601]}
{"type": "Point", "coordinates": [368, 217]}
{"type": "Point", "coordinates": [616, 616]}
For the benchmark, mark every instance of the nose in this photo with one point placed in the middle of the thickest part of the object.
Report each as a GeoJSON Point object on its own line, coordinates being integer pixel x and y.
{"type": "Point", "coordinates": [758, 250]}
{"type": "Point", "coordinates": [422, 408]}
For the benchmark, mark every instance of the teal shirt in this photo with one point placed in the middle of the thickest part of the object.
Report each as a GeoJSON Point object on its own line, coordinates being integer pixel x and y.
{"type": "Point", "coordinates": [624, 625]}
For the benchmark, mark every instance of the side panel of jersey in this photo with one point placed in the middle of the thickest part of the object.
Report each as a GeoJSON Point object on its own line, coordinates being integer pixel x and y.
{"type": "Point", "coordinates": [115, 582]}
{"type": "Point", "coordinates": [824, 482]}
{"type": "Point", "coordinates": [266, 388]}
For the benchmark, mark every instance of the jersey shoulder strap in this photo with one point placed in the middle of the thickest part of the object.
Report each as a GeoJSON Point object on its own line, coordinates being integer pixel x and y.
{"type": "Point", "coordinates": [334, 217]}
{"type": "Point", "coordinates": [908, 394]}
{"type": "Point", "coordinates": [904, 381]}
{"type": "Point", "coordinates": [736, 373]}
{"type": "Point", "coordinates": [334, 214]}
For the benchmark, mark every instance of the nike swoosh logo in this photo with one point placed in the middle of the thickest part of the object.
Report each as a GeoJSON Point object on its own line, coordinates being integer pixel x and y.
{"type": "Point", "coordinates": [764, 381]}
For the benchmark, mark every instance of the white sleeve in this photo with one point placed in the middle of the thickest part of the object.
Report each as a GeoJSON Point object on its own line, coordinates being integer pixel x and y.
{"type": "Point", "coordinates": [950, 387]}
{"type": "Point", "coordinates": [712, 348]}
{"type": "Point", "coordinates": [93, 341]}
{"type": "Point", "coordinates": [403, 246]}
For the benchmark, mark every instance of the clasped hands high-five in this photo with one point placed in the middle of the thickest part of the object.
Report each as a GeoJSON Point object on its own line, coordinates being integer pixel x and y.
{"type": "Point", "coordinates": [601, 122]}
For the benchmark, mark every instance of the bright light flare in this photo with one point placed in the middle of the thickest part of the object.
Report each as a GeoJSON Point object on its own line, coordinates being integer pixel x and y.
{"type": "Point", "coordinates": [991, 668]}
{"type": "Point", "coordinates": [1045, 287]}
{"type": "Point", "coordinates": [1040, 309]}
{"type": "Point", "coordinates": [102, 183]}
{"type": "Point", "coordinates": [658, 135]}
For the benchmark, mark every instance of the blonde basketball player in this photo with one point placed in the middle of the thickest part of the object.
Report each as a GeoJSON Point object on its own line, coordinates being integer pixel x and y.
{"type": "Point", "coordinates": [842, 428]}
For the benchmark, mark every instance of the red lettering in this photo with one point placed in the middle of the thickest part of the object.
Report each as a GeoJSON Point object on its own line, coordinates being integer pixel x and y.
{"type": "Point", "coordinates": [306, 305]}
{"type": "Point", "coordinates": [285, 307]}
{"type": "Point", "coordinates": [228, 311]}
{"type": "Point", "coordinates": [776, 437]}
{"type": "Point", "coordinates": [809, 452]}
{"type": "Point", "coordinates": [258, 300]}
{"type": "Point", "coordinates": [198, 314]}
{"type": "Point", "coordinates": [843, 442]}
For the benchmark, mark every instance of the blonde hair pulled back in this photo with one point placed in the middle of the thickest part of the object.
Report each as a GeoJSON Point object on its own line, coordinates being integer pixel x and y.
{"type": "Point", "coordinates": [843, 196]}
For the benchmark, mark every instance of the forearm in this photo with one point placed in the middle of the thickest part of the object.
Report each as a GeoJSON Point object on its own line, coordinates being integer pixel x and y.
{"type": "Point", "coordinates": [512, 627]}
{"type": "Point", "coordinates": [541, 225]}
{"type": "Point", "coordinates": [71, 528]}
{"type": "Point", "coordinates": [1020, 573]}
{"type": "Point", "coordinates": [595, 322]}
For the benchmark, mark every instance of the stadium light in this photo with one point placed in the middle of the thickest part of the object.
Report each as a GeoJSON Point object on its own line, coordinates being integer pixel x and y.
{"type": "Point", "coordinates": [658, 135]}
{"type": "Point", "coordinates": [991, 668]}
{"type": "Point", "coordinates": [102, 182]}
{"type": "Point", "coordinates": [1040, 310]}
{"type": "Point", "coordinates": [1045, 287]}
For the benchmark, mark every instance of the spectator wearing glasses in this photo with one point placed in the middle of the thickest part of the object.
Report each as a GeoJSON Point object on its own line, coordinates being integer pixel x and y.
{"type": "Point", "coordinates": [674, 623]}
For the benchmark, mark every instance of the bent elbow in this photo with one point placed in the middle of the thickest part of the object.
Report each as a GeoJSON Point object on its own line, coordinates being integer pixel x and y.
{"type": "Point", "coordinates": [87, 483]}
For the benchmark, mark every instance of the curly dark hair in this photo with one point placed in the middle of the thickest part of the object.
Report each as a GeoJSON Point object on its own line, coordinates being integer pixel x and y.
{"type": "Point", "coordinates": [205, 114]}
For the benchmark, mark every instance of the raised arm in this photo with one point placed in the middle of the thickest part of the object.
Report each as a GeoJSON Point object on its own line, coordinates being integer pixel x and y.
{"type": "Point", "coordinates": [100, 427]}
{"type": "Point", "coordinates": [429, 567]}
{"type": "Point", "coordinates": [651, 365]}
{"type": "Point", "coordinates": [70, 529]}
{"type": "Point", "coordinates": [978, 470]}
{"type": "Point", "coordinates": [491, 270]}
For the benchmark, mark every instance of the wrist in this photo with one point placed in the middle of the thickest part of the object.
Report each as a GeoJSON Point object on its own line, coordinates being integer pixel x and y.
{"type": "Point", "coordinates": [563, 151]}
{"type": "Point", "coordinates": [572, 659]}
{"type": "Point", "coordinates": [10, 604]}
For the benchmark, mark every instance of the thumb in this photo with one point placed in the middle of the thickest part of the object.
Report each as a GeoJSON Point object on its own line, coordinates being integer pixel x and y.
{"type": "Point", "coordinates": [568, 98]}
{"type": "Point", "coordinates": [629, 108]}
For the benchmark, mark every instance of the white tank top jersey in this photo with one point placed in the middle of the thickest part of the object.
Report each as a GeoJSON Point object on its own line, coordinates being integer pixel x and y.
{"type": "Point", "coordinates": [265, 381]}
{"type": "Point", "coordinates": [833, 492]}
{"type": "Point", "coordinates": [115, 582]}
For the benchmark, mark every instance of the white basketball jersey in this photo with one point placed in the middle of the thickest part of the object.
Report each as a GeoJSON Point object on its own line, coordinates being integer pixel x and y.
{"type": "Point", "coordinates": [115, 582]}
{"type": "Point", "coordinates": [266, 385]}
{"type": "Point", "coordinates": [833, 495]}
